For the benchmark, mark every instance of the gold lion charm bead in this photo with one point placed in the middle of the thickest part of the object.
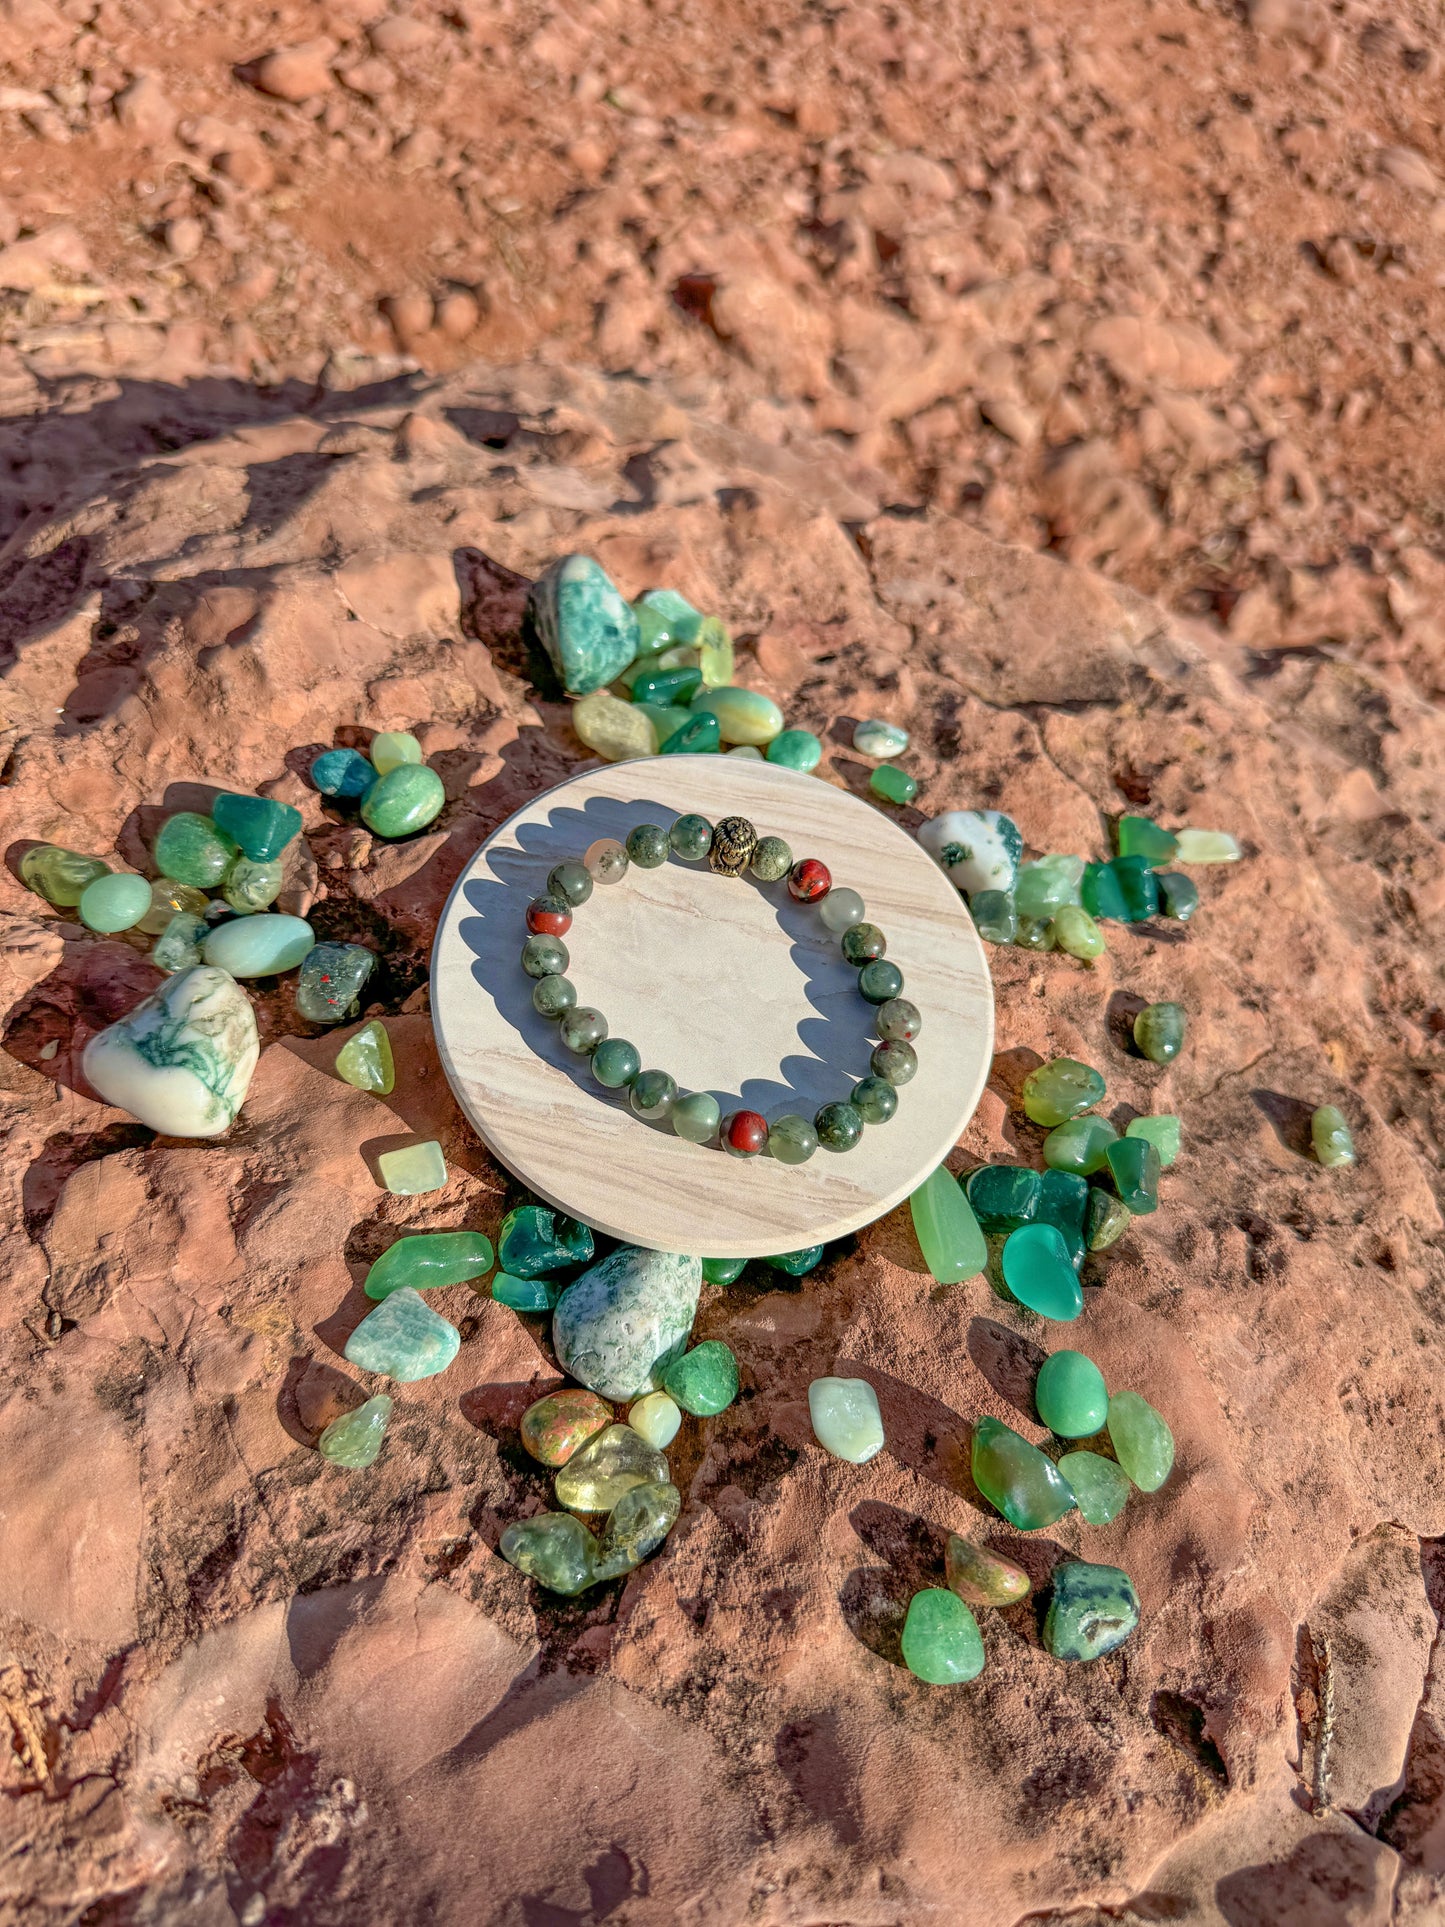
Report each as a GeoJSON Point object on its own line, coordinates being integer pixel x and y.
{"type": "Point", "coordinates": [733, 843]}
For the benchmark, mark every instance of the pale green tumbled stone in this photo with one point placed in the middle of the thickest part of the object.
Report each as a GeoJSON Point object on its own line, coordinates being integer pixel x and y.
{"type": "Point", "coordinates": [405, 800]}
{"type": "Point", "coordinates": [1331, 1136]}
{"type": "Point", "coordinates": [114, 903]}
{"type": "Point", "coordinates": [656, 1418]}
{"type": "Point", "coordinates": [1079, 1144]}
{"type": "Point", "coordinates": [554, 1549]}
{"type": "Point", "coordinates": [59, 875]}
{"type": "Point", "coordinates": [354, 1439]}
{"type": "Point", "coordinates": [743, 715]}
{"type": "Point", "coordinates": [948, 1233]}
{"type": "Point", "coordinates": [428, 1260]}
{"type": "Point", "coordinates": [796, 749]}
{"type": "Point", "coordinates": [639, 1522]}
{"type": "Point", "coordinates": [181, 1061]}
{"type": "Point", "coordinates": [1163, 1132]}
{"type": "Point", "coordinates": [670, 619]}
{"type": "Point", "coordinates": [792, 1139]}
{"type": "Point", "coordinates": [1061, 1089]}
{"type": "Point", "coordinates": [250, 886]}
{"type": "Point", "coordinates": [618, 1327]}
{"type": "Point", "coordinates": [609, 1465]}
{"type": "Point", "coordinates": [259, 946]}
{"type": "Point", "coordinates": [191, 849]}
{"type": "Point", "coordinates": [874, 738]}
{"type": "Point", "coordinates": [1041, 888]}
{"type": "Point", "coordinates": [365, 1061]}
{"type": "Point", "coordinates": [392, 748]}
{"type": "Point", "coordinates": [1100, 1488]}
{"type": "Point", "coordinates": [413, 1169]}
{"type": "Point", "coordinates": [179, 945]}
{"type": "Point", "coordinates": [941, 1642]}
{"type": "Point", "coordinates": [403, 1338]}
{"type": "Point", "coordinates": [1207, 846]}
{"type": "Point", "coordinates": [1142, 1442]}
{"type": "Point", "coordinates": [846, 1418]}
{"type": "Point", "coordinates": [580, 618]}
{"type": "Point", "coordinates": [1076, 933]}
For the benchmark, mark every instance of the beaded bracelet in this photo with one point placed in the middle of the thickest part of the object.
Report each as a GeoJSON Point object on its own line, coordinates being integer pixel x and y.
{"type": "Point", "coordinates": [733, 848]}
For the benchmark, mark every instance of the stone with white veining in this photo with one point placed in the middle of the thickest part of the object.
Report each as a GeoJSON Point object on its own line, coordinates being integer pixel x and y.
{"type": "Point", "coordinates": [625, 1319]}
{"type": "Point", "coordinates": [181, 1061]}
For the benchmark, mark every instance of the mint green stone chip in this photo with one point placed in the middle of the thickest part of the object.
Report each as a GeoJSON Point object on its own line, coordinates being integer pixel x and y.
{"type": "Point", "coordinates": [1101, 1489]}
{"type": "Point", "coordinates": [259, 824]}
{"type": "Point", "coordinates": [403, 1338]}
{"type": "Point", "coordinates": [413, 1169]}
{"type": "Point", "coordinates": [894, 785]}
{"type": "Point", "coordinates": [1071, 1396]}
{"type": "Point", "coordinates": [403, 801]}
{"type": "Point", "coordinates": [1163, 1132]}
{"type": "Point", "coordinates": [179, 945]}
{"type": "Point", "coordinates": [1040, 888]}
{"type": "Point", "coordinates": [941, 1642]}
{"type": "Point", "coordinates": [525, 1294]}
{"type": "Point", "coordinates": [703, 1381]}
{"type": "Point", "coordinates": [1142, 1442]}
{"type": "Point", "coordinates": [354, 1439]}
{"type": "Point", "coordinates": [1331, 1136]}
{"type": "Point", "coordinates": [796, 749]}
{"type": "Point", "coordinates": [948, 1233]}
{"type": "Point", "coordinates": [113, 903]}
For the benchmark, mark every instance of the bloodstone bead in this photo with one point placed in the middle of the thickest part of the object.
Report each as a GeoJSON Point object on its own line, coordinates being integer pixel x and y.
{"type": "Point", "coordinates": [615, 1063]}
{"type": "Point", "coordinates": [691, 838]}
{"type": "Point", "coordinates": [723, 1271]}
{"type": "Point", "coordinates": [1134, 1167]}
{"type": "Point", "coordinates": [549, 917]}
{"type": "Point", "coordinates": [1139, 887]}
{"type": "Point", "coordinates": [571, 881]}
{"type": "Point", "coordinates": [772, 860]}
{"type": "Point", "coordinates": [809, 881]}
{"type": "Point", "coordinates": [544, 957]}
{"type": "Point", "coordinates": [648, 846]}
{"type": "Point", "coordinates": [1178, 896]}
{"type": "Point", "coordinates": [876, 1098]}
{"type": "Point", "coordinates": [880, 981]}
{"type": "Point", "coordinates": [605, 861]}
{"type": "Point", "coordinates": [653, 1093]}
{"type": "Point", "coordinates": [583, 1029]}
{"type": "Point", "coordinates": [1159, 1031]}
{"type": "Point", "coordinates": [791, 1139]}
{"type": "Point", "coordinates": [895, 1060]}
{"type": "Point", "coordinates": [553, 996]}
{"type": "Point", "coordinates": [863, 943]}
{"type": "Point", "coordinates": [898, 1021]}
{"type": "Point", "coordinates": [744, 1133]}
{"type": "Point", "coordinates": [839, 1126]}
{"type": "Point", "coordinates": [733, 842]}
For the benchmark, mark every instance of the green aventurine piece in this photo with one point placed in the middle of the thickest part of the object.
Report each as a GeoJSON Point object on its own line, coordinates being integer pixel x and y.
{"type": "Point", "coordinates": [1163, 1132]}
{"type": "Point", "coordinates": [982, 1577]}
{"type": "Point", "coordinates": [251, 886]}
{"type": "Point", "coordinates": [1101, 1489]}
{"type": "Point", "coordinates": [578, 615]}
{"type": "Point", "coordinates": [179, 944]}
{"type": "Point", "coordinates": [192, 850]}
{"type": "Point", "coordinates": [797, 1264]}
{"type": "Point", "coordinates": [668, 687]}
{"type": "Point", "coordinates": [1003, 1196]}
{"type": "Point", "coordinates": [1178, 896]}
{"type": "Point", "coordinates": [1039, 1270]}
{"type": "Point", "coordinates": [59, 875]}
{"type": "Point", "coordinates": [1077, 934]}
{"type": "Point", "coordinates": [114, 903]}
{"type": "Point", "coordinates": [609, 1464]}
{"type": "Point", "coordinates": [554, 1549]}
{"type": "Point", "coordinates": [703, 1381]}
{"type": "Point", "coordinates": [948, 1234]}
{"type": "Point", "coordinates": [259, 824]}
{"type": "Point", "coordinates": [1016, 1477]}
{"type": "Point", "coordinates": [1057, 1091]}
{"type": "Point", "coordinates": [723, 1271]}
{"type": "Point", "coordinates": [1141, 836]}
{"type": "Point", "coordinates": [796, 749]}
{"type": "Point", "coordinates": [700, 736]}
{"type": "Point", "coordinates": [403, 801]}
{"type": "Point", "coordinates": [716, 656]}
{"type": "Point", "coordinates": [667, 719]}
{"type": "Point", "coordinates": [1138, 886]}
{"type": "Point", "coordinates": [535, 1240]}
{"type": "Point", "coordinates": [637, 1526]}
{"type": "Point", "coordinates": [404, 1338]}
{"type": "Point", "coordinates": [1039, 888]}
{"type": "Point", "coordinates": [995, 915]}
{"type": "Point", "coordinates": [413, 1169]}
{"type": "Point", "coordinates": [1093, 1610]}
{"type": "Point", "coordinates": [429, 1260]}
{"type": "Point", "coordinates": [1331, 1136]}
{"type": "Point", "coordinates": [365, 1060]}
{"type": "Point", "coordinates": [895, 785]}
{"type": "Point", "coordinates": [1079, 1144]}
{"type": "Point", "coordinates": [331, 981]}
{"type": "Point", "coordinates": [525, 1294]}
{"type": "Point", "coordinates": [1102, 892]}
{"type": "Point", "coordinates": [1142, 1442]}
{"type": "Point", "coordinates": [1064, 1203]}
{"type": "Point", "coordinates": [354, 1439]}
{"type": "Point", "coordinates": [1134, 1167]}
{"type": "Point", "coordinates": [1159, 1031]}
{"type": "Point", "coordinates": [1071, 1396]}
{"type": "Point", "coordinates": [941, 1642]}
{"type": "Point", "coordinates": [1105, 1220]}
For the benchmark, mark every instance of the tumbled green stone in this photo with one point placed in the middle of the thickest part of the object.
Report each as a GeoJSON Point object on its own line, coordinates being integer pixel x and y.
{"type": "Point", "coordinates": [1101, 1489]}
{"type": "Point", "coordinates": [894, 785]}
{"type": "Point", "coordinates": [1102, 893]}
{"type": "Point", "coordinates": [331, 981]}
{"type": "Point", "coordinates": [723, 1271]}
{"type": "Point", "coordinates": [1063, 1202]}
{"type": "Point", "coordinates": [1071, 1396]}
{"type": "Point", "coordinates": [428, 1260]}
{"type": "Point", "coordinates": [1331, 1136]}
{"type": "Point", "coordinates": [403, 801]}
{"type": "Point", "coordinates": [846, 1419]}
{"type": "Point", "coordinates": [1061, 1089]}
{"type": "Point", "coordinates": [1163, 1132]}
{"type": "Point", "coordinates": [1039, 1271]}
{"type": "Point", "coordinates": [615, 1063]}
{"type": "Point", "coordinates": [1076, 933]}
{"type": "Point", "coordinates": [743, 715]}
{"type": "Point", "coordinates": [1105, 1220]}
{"type": "Point", "coordinates": [583, 624]}
{"type": "Point", "coordinates": [637, 1526]}
{"type": "Point", "coordinates": [981, 1576]}
{"type": "Point", "coordinates": [354, 1439]}
{"type": "Point", "coordinates": [553, 997]}
{"type": "Point", "coordinates": [796, 749]}
{"type": "Point", "coordinates": [995, 915]}
{"type": "Point", "coordinates": [582, 1029]}
{"type": "Point", "coordinates": [570, 880]}
{"type": "Point", "coordinates": [895, 1060]}
{"type": "Point", "coordinates": [250, 886]}
{"type": "Point", "coordinates": [179, 944]}
{"type": "Point", "coordinates": [771, 860]}
{"type": "Point", "coordinates": [941, 1642]}
{"type": "Point", "coordinates": [1035, 933]}
{"type": "Point", "coordinates": [554, 1549]}
{"type": "Point", "coordinates": [1003, 1196]}
{"type": "Point", "coordinates": [1040, 888]}
{"type": "Point", "coordinates": [612, 1462]}
{"type": "Point", "coordinates": [192, 850]}
{"type": "Point", "coordinates": [1093, 1610]}
{"type": "Point", "coordinates": [691, 838]}
{"type": "Point", "coordinates": [704, 1381]}
{"type": "Point", "coordinates": [1134, 1167]}
{"type": "Point", "coordinates": [653, 1094]}
{"type": "Point", "coordinates": [1178, 896]}
{"type": "Point", "coordinates": [797, 1264]}
{"type": "Point", "coordinates": [875, 1098]}
{"type": "Point", "coordinates": [1141, 836]}
{"type": "Point", "coordinates": [979, 849]}
{"type": "Point", "coordinates": [525, 1294]}
{"type": "Point", "coordinates": [555, 1427]}
{"type": "Point", "coordinates": [874, 738]}
{"type": "Point", "coordinates": [404, 1338]}
{"type": "Point", "coordinates": [880, 981]}
{"type": "Point", "coordinates": [544, 956]}
{"type": "Point", "coordinates": [715, 654]}
{"type": "Point", "coordinates": [389, 748]}
{"type": "Point", "coordinates": [59, 875]}
{"type": "Point", "coordinates": [656, 1418]}
{"type": "Point", "coordinates": [414, 1169]}
{"type": "Point", "coordinates": [748, 750]}
{"type": "Point", "coordinates": [365, 1060]}
{"type": "Point", "coordinates": [535, 1240]}
{"type": "Point", "coordinates": [698, 737]}
{"type": "Point", "coordinates": [343, 773]}
{"type": "Point", "coordinates": [670, 687]}
{"type": "Point", "coordinates": [648, 846]}
{"type": "Point", "coordinates": [259, 824]}
{"type": "Point", "coordinates": [170, 899]}
{"type": "Point", "coordinates": [1159, 1031]}
{"type": "Point", "coordinates": [666, 720]}
{"type": "Point", "coordinates": [114, 903]}
{"type": "Point", "coordinates": [948, 1233]}
{"type": "Point", "coordinates": [862, 943]}
{"type": "Point", "coordinates": [696, 1116]}
{"type": "Point", "coordinates": [791, 1139]}
{"type": "Point", "coordinates": [1016, 1477]}
{"type": "Point", "coordinates": [839, 1127]}
{"type": "Point", "coordinates": [1142, 1442]}
{"type": "Point", "coordinates": [259, 946]}
{"type": "Point", "coordinates": [1208, 846]}
{"type": "Point", "coordinates": [667, 617]}
{"type": "Point", "coordinates": [898, 1021]}
{"type": "Point", "coordinates": [1079, 1144]}
{"type": "Point", "coordinates": [1138, 886]}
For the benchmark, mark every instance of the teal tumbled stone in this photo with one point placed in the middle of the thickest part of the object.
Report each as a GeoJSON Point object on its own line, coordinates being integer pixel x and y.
{"type": "Point", "coordinates": [1178, 896]}
{"type": "Point", "coordinates": [723, 1271]}
{"type": "Point", "coordinates": [331, 981]}
{"type": "Point", "coordinates": [259, 824]}
{"type": "Point", "coordinates": [1100, 1487]}
{"type": "Point", "coordinates": [1071, 1396]}
{"type": "Point", "coordinates": [583, 623]}
{"type": "Point", "coordinates": [1102, 893]}
{"type": "Point", "coordinates": [797, 1264]}
{"type": "Point", "coordinates": [404, 1338]}
{"type": "Point", "coordinates": [941, 1643]}
{"type": "Point", "coordinates": [354, 1439]}
{"type": "Point", "coordinates": [1134, 1167]}
{"type": "Point", "coordinates": [526, 1294]}
{"type": "Point", "coordinates": [1064, 1203]}
{"type": "Point", "coordinates": [115, 902]}
{"type": "Point", "coordinates": [1003, 1196]}
{"type": "Point", "coordinates": [343, 772]}
{"type": "Point", "coordinates": [1138, 886]}
{"type": "Point", "coordinates": [534, 1240]}
{"type": "Point", "coordinates": [995, 915]}
{"type": "Point", "coordinates": [260, 946]}
{"type": "Point", "coordinates": [1039, 1270]}
{"type": "Point", "coordinates": [795, 749]}
{"type": "Point", "coordinates": [698, 737]}
{"type": "Point", "coordinates": [1093, 1610]}
{"type": "Point", "coordinates": [703, 1381]}
{"type": "Point", "coordinates": [192, 850]}
{"type": "Point", "coordinates": [403, 801]}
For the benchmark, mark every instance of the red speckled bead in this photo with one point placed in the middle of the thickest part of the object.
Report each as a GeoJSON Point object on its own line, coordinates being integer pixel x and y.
{"type": "Point", "coordinates": [809, 881]}
{"type": "Point", "coordinates": [744, 1133]}
{"type": "Point", "coordinates": [549, 917]}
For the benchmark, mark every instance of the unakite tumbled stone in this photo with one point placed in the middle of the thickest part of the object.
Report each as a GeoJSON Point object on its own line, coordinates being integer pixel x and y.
{"type": "Point", "coordinates": [428, 1260]}
{"type": "Point", "coordinates": [1159, 1031]}
{"type": "Point", "coordinates": [1138, 886]}
{"type": "Point", "coordinates": [703, 1381]}
{"type": "Point", "coordinates": [846, 1418]}
{"type": "Point", "coordinates": [696, 1116]}
{"type": "Point", "coordinates": [797, 1264]}
{"type": "Point", "coordinates": [252, 886]}
{"type": "Point", "coordinates": [612, 1462]}
{"type": "Point", "coordinates": [343, 772]}
{"type": "Point", "coordinates": [365, 1060]}
{"type": "Point", "coordinates": [982, 1577]}
{"type": "Point", "coordinates": [114, 903]}
{"type": "Point", "coordinates": [331, 981]}
{"type": "Point", "coordinates": [59, 875]}
{"type": "Point", "coordinates": [1071, 1396]}
{"type": "Point", "coordinates": [948, 1233]}
{"type": "Point", "coordinates": [1134, 1167]}
{"type": "Point", "coordinates": [554, 1549]}
{"type": "Point", "coordinates": [796, 749]}
{"type": "Point", "coordinates": [624, 1321]}
{"type": "Point", "coordinates": [354, 1439]}
{"type": "Point", "coordinates": [1102, 893]}
{"type": "Point", "coordinates": [1163, 1132]}
{"type": "Point", "coordinates": [1064, 1203]}
{"type": "Point", "coordinates": [1017, 1478]}
{"type": "Point", "coordinates": [980, 849]}
{"type": "Point", "coordinates": [1331, 1136]}
{"type": "Point", "coordinates": [874, 738]}
{"type": "Point", "coordinates": [1040, 888]}
{"type": "Point", "coordinates": [1105, 1220]}
{"type": "Point", "coordinates": [1059, 1090]}
{"type": "Point", "coordinates": [535, 1239]}
{"type": "Point", "coordinates": [525, 1294]}
{"type": "Point", "coordinates": [792, 1139]}
{"type": "Point", "coordinates": [1178, 896]}
{"type": "Point", "coordinates": [191, 849]}
{"type": "Point", "coordinates": [1142, 1442]}
{"type": "Point", "coordinates": [404, 1338]}
{"type": "Point", "coordinates": [179, 945]}
{"type": "Point", "coordinates": [894, 785]}
{"type": "Point", "coordinates": [743, 715]}
{"type": "Point", "coordinates": [403, 801]}
{"type": "Point", "coordinates": [1039, 1270]}
{"type": "Point", "coordinates": [1079, 1144]}
{"type": "Point", "coordinates": [723, 1271]}
{"type": "Point", "coordinates": [555, 1427]}
{"type": "Point", "coordinates": [1076, 933]}
{"type": "Point", "coordinates": [580, 619]}
{"type": "Point", "coordinates": [181, 1061]}
{"type": "Point", "coordinates": [637, 1526]}
{"type": "Point", "coordinates": [259, 824]}
{"type": "Point", "coordinates": [699, 736]}
{"type": "Point", "coordinates": [169, 899]}
{"type": "Point", "coordinates": [656, 1418]}
{"type": "Point", "coordinates": [260, 946]}
{"type": "Point", "coordinates": [1093, 1610]}
{"type": "Point", "coordinates": [413, 1169]}
{"type": "Point", "coordinates": [1140, 836]}
{"type": "Point", "coordinates": [1208, 846]}
{"type": "Point", "coordinates": [392, 747]}
{"type": "Point", "coordinates": [1003, 1196]}
{"type": "Point", "coordinates": [941, 1642]}
{"type": "Point", "coordinates": [1101, 1489]}
{"type": "Point", "coordinates": [995, 915]}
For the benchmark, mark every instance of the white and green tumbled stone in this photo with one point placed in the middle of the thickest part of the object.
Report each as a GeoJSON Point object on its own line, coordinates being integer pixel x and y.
{"type": "Point", "coordinates": [875, 738]}
{"type": "Point", "coordinates": [179, 945]}
{"type": "Point", "coordinates": [583, 623]}
{"type": "Point", "coordinates": [846, 1418]}
{"type": "Point", "coordinates": [1093, 1610]}
{"type": "Point", "coordinates": [404, 1339]}
{"type": "Point", "coordinates": [980, 849]}
{"type": "Point", "coordinates": [354, 1439]}
{"type": "Point", "coordinates": [181, 1061]}
{"type": "Point", "coordinates": [619, 1326]}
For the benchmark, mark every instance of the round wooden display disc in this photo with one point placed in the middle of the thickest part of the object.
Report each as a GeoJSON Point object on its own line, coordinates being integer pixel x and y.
{"type": "Point", "coordinates": [727, 984]}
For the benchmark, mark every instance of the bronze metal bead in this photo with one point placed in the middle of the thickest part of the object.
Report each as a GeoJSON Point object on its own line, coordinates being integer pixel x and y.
{"type": "Point", "coordinates": [733, 843]}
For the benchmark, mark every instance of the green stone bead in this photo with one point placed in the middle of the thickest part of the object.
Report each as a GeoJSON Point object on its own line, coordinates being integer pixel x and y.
{"type": "Point", "coordinates": [1003, 1196]}
{"type": "Point", "coordinates": [192, 850]}
{"type": "Point", "coordinates": [796, 749]}
{"type": "Point", "coordinates": [404, 1338]}
{"type": "Point", "coordinates": [429, 1260]}
{"type": "Point", "coordinates": [658, 1419]}
{"type": "Point", "coordinates": [388, 749]}
{"type": "Point", "coordinates": [669, 687]}
{"type": "Point", "coordinates": [1178, 896]}
{"type": "Point", "coordinates": [941, 1642]}
{"type": "Point", "coordinates": [180, 944]}
{"type": "Point", "coordinates": [1079, 1144]}
{"type": "Point", "coordinates": [797, 1264]}
{"type": "Point", "coordinates": [846, 1419]}
{"type": "Point", "coordinates": [1159, 1031]}
{"type": "Point", "coordinates": [1093, 1610]}
{"type": "Point", "coordinates": [668, 616]}
{"type": "Point", "coordinates": [259, 824]}
{"type": "Point", "coordinates": [608, 1465]}
{"type": "Point", "coordinates": [1034, 933]}
{"type": "Point", "coordinates": [982, 1577]}
{"type": "Point", "coordinates": [895, 1060]}
{"type": "Point", "coordinates": [1064, 1203]}
{"type": "Point", "coordinates": [898, 1021]}
{"type": "Point", "coordinates": [59, 875]}
{"type": "Point", "coordinates": [876, 1098]}
{"type": "Point", "coordinates": [414, 1169]}
{"type": "Point", "coordinates": [365, 1061]}
{"type": "Point", "coordinates": [995, 915]}
{"type": "Point", "coordinates": [840, 910]}
{"type": "Point", "coordinates": [743, 715]}
{"type": "Point", "coordinates": [1101, 1489]}
{"type": "Point", "coordinates": [1105, 1221]}
{"type": "Point", "coordinates": [403, 801]}
{"type": "Point", "coordinates": [1163, 1132]}
{"type": "Point", "coordinates": [948, 1233]}
{"type": "Point", "coordinates": [1142, 1442]}
{"type": "Point", "coordinates": [354, 1439]}
{"type": "Point", "coordinates": [1071, 1396]}
{"type": "Point", "coordinates": [1330, 1135]}
{"type": "Point", "coordinates": [703, 1381]}
{"type": "Point", "coordinates": [1102, 893]}
{"type": "Point", "coordinates": [637, 1526]}
{"type": "Point", "coordinates": [723, 1271]}
{"type": "Point", "coordinates": [653, 1094]}
{"type": "Point", "coordinates": [862, 943]}
{"type": "Point", "coordinates": [696, 1117]}
{"type": "Point", "coordinates": [615, 1063]}
{"type": "Point", "coordinates": [113, 903]}
{"type": "Point", "coordinates": [545, 956]}
{"type": "Point", "coordinates": [839, 1127]}
{"type": "Point", "coordinates": [648, 846]}
{"type": "Point", "coordinates": [535, 1240]}
{"type": "Point", "coordinates": [772, 860]}
{"type": "Point", "coordinates": [1134, 1167]}
{"type": "Point", "coordinates": [553, 997]}
{"type": "Point", "coordinates": [1138, 886]}
{"type": "Point", "coordinates": [556, 1426]}
{"type": "Point", "coordinates": [698, 737]}
{"type": "Point", "coordinates": [792, 1139]}
{"type": "Point", "coordinates": [554, 1549]}
{"type": "Point", "coordinates": [1039, 1271]}
{"type": "Point", "coordinates": [578, 615]}
{"type": "Point", "coordinates": [1140, 836]}
{"type": "Point", "coordinates": [715, 654]}
{"type": "Point", "coordinates": [332, 978]}
{"type": "Point", "coordinates": [894, 785]}
{"type": "Point", "coordinates": [572, 881]}
{"type": "Point", "coordinates": [1076, 933]}
{"type": "Point", "coordinates": [252, 886]}
{"type": "Point", "coordinates": [1041, 888]}
{"type": "Point", "coordinates": [1015, 1477]}
{"type": "Point", "coordinates": [880, 981]}
{"type": "Point", "coordinates": [259, 946]}
{"type": "Point", "coordinates": [1059, 1090]}
{"type": "Point", "coordinates": [526, 1294]}
{"type": "Point", "coordinates": [1208, 846]}
{"type": "Point", "coordinates": [691, 838]}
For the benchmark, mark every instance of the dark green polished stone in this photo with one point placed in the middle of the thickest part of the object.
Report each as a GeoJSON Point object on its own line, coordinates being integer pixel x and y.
{"type": "Point", "coordinates": [1003, 1196]}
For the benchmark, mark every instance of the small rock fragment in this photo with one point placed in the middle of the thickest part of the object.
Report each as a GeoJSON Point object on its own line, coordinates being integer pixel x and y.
{"type": "Point", "coordinates": [354, 1439]}
{"type": "Point", "coordinates": [846, 1418]}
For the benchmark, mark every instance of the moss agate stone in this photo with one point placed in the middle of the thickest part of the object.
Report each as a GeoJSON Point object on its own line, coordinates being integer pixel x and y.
{"type": "Point", "coordinates": [743, 715]}
{"type": "Point", "coordinates": [535, 1239]}
{"type": "Point", "coordinates": [875, 1099]}
{"type": "Point", "coordinates": [1134, 1167]}
{"type": "Point", "coordinates": [653, 1093]}
{"type": "Point", "coordinates": [1330, 1135]}
{"type": "Point", "coordinates": [626, 1319]}
{"type": "Point", "coordinates": [343, 773]}
{"type": "Point", "coordinates": [1071, 1396]}
{"type": "Point", "coordinates": [251, 886]}
{"type": "Point", "coordinates": [894, 1059]}
{"type": "Point", "coordinates": [403, 801]}
{"type": "Point", "coordinates": [392, 747]}
{"type": "Point", "coordinates": [980, 849]}
{"type": "Point", "coordinates": [637, 1526]}
{"type": "Point", "coordinates": [191, 849]}
{"type": "Point", "coordinates": [1141, 836]}
{"type": "Point", "coordinates": [331, 981]}
{"type": "Point", "coordinates": [1142, 1442]}
{"type": "Point", "coordinates": [365, 1061]}
{"type": "Point", "coordinates": [703, 1381]}
{"type": "Point", "coordinates": [581, 1029]}
{"type": "Point", "coordinates": [181, 1061]}
{"type": "Point", "coordinates": [948, 1233]}
{"type": "Point", "coordinates": [615, 1063]}
{"type": "Point", "coordinates": [404, 1339]}
{"type": "Point", "coordinates": [995, 915]}
{"type": "Point", "coordinates": [1100, 1487]}
{"type": "Point", "coordinates": [1039, 1270]}
{"type": "Point", "coordinates": [260, 825]}
{"type": "Point", "coordinates": [691, 838]}
{"type": "Point", "coordinates": [796, 749]}
{"type": "Point", "coordinates": [557, 1426]}
{"type": "Point", "coordinates": [1003, 1196]}
{"type": "Point", "coordinates": [982, 1577]}
{"type": "Point", "coordinates": [259, 946]}
{"type": "Point", "coordinates": [413, 1169]}
{"type": "Point", "coordinates": [554, 1549]}
{"type": "Point", "coordinates": [846, 1419]}
{"type": "Point", "coordinates": [1079, 1144]}
{"type": "Point", "coordinates": [1041, 888]}
{"type": "Point", "coordinates": [114, 903]}
{"type": "Point", "coordinates": [656, 1418]}
{"type": "Point", "coordinates": [354, 1439]}
{"type": "Point", "coordinates": [180, 944]}
{"type": "Point", "coordinates": [839, 1126]}
{"type": "Point", "coordinates": [584, 625]}
{"type": "Point", "coordinates": [58, 875]}
{"type": "Point", "coordinates": [792, 1139]}
{"type": "Point", "coordinates": [874, 738]}
{"type": "Point", "coordinates": [941, 1642]}
{"type": "Point", "coordinates": [1163, 1132]}
{"type": "Point", "coordinates": [525, 1294]}
{"type": "Point", "coordinates": [1159, 1031]}
{"type": "Point", "coordinates": [1093, 1610]}
{"type": "Point", "coordinates": [1057, 1091]}
{"type": "Point", "coordinates": [428, 1260]}
{"type": "Point", "coordinates": [1017, 1478]}
{"type": "Point", "coordinates": [611, 1463]}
